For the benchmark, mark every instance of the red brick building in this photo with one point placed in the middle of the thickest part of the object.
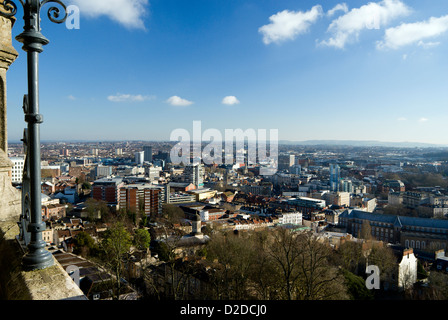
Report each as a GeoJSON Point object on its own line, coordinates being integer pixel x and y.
{"type": "Point", "coordinates": [108, 190]}
{"type": "Point", "coordinates": [142, 196]}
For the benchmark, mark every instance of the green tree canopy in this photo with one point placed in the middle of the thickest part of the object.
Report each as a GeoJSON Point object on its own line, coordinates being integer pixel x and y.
{"type": "Point", "coordinates": [142, 239]}
{"type": "Point", "coordinates": [115, 244]}
{"type": "Point", "coordinates": [84, 244]}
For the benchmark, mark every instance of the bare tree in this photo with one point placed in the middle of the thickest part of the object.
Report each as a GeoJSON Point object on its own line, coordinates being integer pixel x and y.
{"type": "Point", "coordinates": [366, 231]}
{"type": "Point", "coordinates": [284, 250]}
{"type": "Point", "coordinates": [349, 255]}
{"type": "Point", "coordinates": [318, 279]}
{"type": "Point", "coordinates": [236, 256]}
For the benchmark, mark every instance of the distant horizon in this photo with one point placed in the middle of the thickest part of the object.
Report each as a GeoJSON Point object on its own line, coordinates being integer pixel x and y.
{"type": "Point", "coordinates": [311, 142]}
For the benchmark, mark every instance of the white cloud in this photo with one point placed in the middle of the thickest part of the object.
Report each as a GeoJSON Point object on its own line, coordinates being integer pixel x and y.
{"type": "Point", "coordinates": [402, 119]}
{"type": "Point", "coordinates": [286, 25]}
{"type": "Point", "coordinates": [423, 120]}
{"type": "Point", "coordinates": [71, 97]}
{"type": "Point", "coordinates": [230, 100]}
{"type": "Point", "coordinates": [128, 13]}
{"type": "Point", "coordinates": [128, 98]}
{"type": "Point", "coordinates": [339, 7]}
{"type": "Point", "coordinates": [428, 45]}
{"type": "Point", "coordinates": [373, 15]}
{"type": "Point", "coordinates": [178, 101]}
{"type": "Point", "coordinates": [414, 33]}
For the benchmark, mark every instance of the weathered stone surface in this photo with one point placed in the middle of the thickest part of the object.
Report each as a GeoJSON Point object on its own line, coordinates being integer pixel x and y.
{"type": "Point", "coordinates": [7, 56]}
{"type": "Point", "coordinates": [10, 197]}
{"type": "Point", "coordinates": [52, 283]}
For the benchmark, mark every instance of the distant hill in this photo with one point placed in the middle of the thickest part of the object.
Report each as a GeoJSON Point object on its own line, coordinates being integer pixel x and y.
{"type": "Point", "coordinates": [364, 143]}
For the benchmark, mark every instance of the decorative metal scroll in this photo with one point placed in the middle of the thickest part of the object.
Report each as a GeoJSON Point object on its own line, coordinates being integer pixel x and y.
{"type": "Point", "coordinates": [53, 13]}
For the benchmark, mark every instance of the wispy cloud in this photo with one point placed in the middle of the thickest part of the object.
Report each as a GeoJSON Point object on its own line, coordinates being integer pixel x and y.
{"type": "Point", "coordinates": [71, 97]}
{"type": "Point", "coordinates": [286, 25]}
{"type": "Point", "coordinates": [402, 119]}
{"type": "Point", "coordinates": [339, 7]}
{"type": "Point", "coordinates": [129, 98]}
{"type": "Point", "coordinates": [373, 15]}
{"type": "Point", "coordinates": [129, 13]}
{"type": "Point", "coordinates": [230, 100]}
{"type": "Point", "coordinates": [414, 33]}
{"type": "Point", "coordinates": [423, 120]}
{"type": "Point", "coordinates": [178, 101]}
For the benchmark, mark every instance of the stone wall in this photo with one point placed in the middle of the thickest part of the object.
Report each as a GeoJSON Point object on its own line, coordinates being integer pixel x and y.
{"type": "Point", "coordinates": [7, 56]}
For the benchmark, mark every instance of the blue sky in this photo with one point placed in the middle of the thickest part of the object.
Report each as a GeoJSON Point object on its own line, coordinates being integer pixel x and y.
{"type": "Point", "coordinates": [138, 69]}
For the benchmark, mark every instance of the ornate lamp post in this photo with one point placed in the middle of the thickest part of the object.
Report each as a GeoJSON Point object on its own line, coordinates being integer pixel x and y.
{"type": "Point", "coordinates": [37, 257]}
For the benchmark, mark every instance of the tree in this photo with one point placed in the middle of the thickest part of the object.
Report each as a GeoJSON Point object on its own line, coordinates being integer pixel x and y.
{"type": "Point", "coordinates": [385, 259]}
{"type": "Point", "coordinates": [142, 239]}
{"type": "Point", "coordinates": [356, 287]}
{"type": "Point", "coordinates": [236, 257]}
{"type": "Point", "coordinates": [115, 244]}
{"type": "Point", "coordinates": [264, 273]}
{"type": "Point", "coordinates": [144, 220]}
{"type": "Point", "coordinates": [421, 272]}
{"type": "Point", "coordinates": [318, 279]}
{"type": "Point", "coordinates": [96, 209]}
{"type": "Point", "coordinates": [173, 213]}
{"type": "Point", "coordinates": [86, 185]}
{"type": "Point", "coordinates": [84, 244]}
{"type": "Point", "coordinates": [366, 230]}
{"type": "Point", "coordinates": [348, 256]}
{"type": "Point", "coordinates": [283, 249]}
{"type": "Point", "coordinates": [438, 282]}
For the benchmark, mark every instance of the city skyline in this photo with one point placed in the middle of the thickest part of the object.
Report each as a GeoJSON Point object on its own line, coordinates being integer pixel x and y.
{"type": "Point", "coordinates": [314, 70]}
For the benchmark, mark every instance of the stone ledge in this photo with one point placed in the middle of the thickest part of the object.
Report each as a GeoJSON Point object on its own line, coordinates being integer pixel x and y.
{"type": "Point", "coordinates": [10, 197]}
{"type": "Point", "coordinates": [52, 283]}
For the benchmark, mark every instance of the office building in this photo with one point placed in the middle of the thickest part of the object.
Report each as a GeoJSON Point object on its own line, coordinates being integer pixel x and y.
{"type": "Point", "coordinates": [148, 153]}
{"type": "Point", "coordinates": [286, 161]}
{"type": "Point", "coordinates": [103, 171]}
{"type": "Point", "coordinates": [164, 156]}
{"type": "Point", "coordinates": [346, 186]}
{"type": "Point", "coordinates": [341, 199]}
{"type": "Point", "coordinates": [334, 177]}
{"type": "Point", "coordinates": [295, 169]}
{"type": "Point", "coordinates": [153, 173]}
{"type": "Point", "coordinates": [108, 190]}
{"type": "Point", "coordinates": [194, 173]}
{"type": "Point", "coordinates": [142, 196]}
{"type": "Point", "coordinates": [139, 157]}
{"type": "Point", "coordinates": [17, 169]}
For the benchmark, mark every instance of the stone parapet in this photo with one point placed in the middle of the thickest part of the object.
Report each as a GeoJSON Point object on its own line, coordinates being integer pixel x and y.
{"type": "Point", "coordinates": [10, 197]}
{"type": "Point", "coordinates": [52, 283]}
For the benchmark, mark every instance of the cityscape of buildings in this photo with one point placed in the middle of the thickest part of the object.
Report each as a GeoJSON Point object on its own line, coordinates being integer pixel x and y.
{"type": "Point", "coordinates": [329, 191]}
